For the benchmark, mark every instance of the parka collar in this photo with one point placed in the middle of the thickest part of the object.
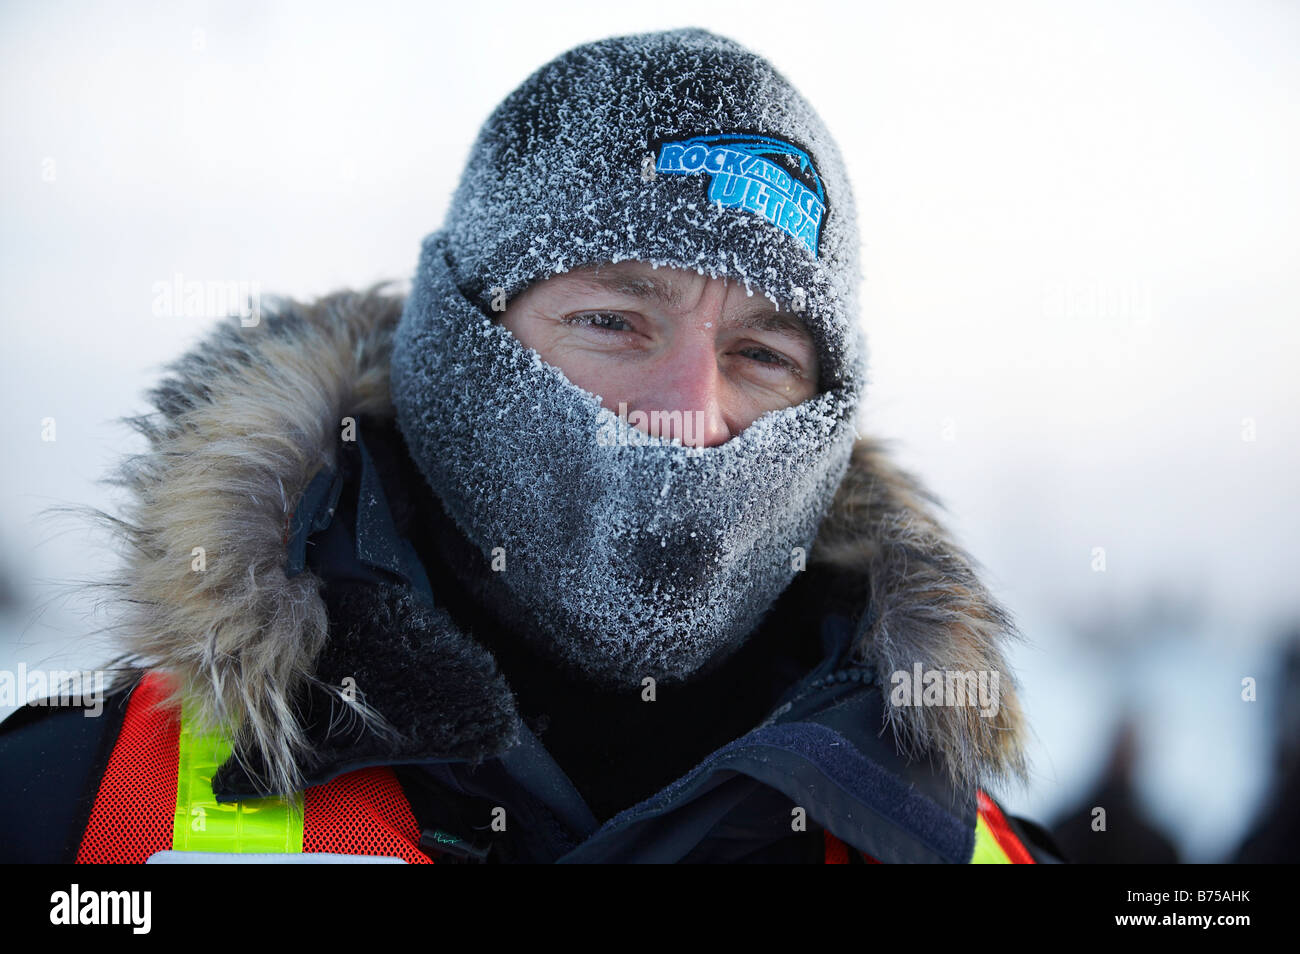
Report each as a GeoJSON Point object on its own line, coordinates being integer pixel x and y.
{"type": "Point", "coordinates": [246, 425]}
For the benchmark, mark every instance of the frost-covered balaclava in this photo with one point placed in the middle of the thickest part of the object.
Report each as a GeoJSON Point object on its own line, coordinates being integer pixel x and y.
{"type": "Point", "coordinates": [628, 555]}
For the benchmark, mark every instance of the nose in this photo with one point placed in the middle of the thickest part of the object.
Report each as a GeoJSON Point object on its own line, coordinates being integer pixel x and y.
{"type": "Point", "coordinates": [688, 390]}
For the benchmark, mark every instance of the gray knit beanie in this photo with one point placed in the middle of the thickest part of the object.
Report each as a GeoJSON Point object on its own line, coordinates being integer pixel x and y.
{"type": "Point", "coordinates": [678, 148]}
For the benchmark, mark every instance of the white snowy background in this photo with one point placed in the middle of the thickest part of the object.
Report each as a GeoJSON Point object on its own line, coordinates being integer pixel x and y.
{"type": "Point", "coordinates": [1081, 231]}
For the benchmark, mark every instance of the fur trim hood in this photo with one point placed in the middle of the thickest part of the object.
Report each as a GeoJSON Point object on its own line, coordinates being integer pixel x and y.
{"type": "Point", "coordinates": [243, 424]}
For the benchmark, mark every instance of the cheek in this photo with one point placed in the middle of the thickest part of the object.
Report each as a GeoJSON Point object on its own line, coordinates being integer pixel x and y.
{"type": "Point", "coordinates": [548, 338]}
{"type": "Point", "coordinates": [755, 399]}
{"type": "Point", "coordinates": [525, 329]}
{"type": "Point", "coordinates": [586, 363]}
{"type": "Point", "coordinates": [612, 380]}
{"type": "Point", "coordinates": [796, 392]}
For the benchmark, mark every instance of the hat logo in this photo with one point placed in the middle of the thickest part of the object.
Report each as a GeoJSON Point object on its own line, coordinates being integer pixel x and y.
{"type": "Point", "coordinates": [770, 177]}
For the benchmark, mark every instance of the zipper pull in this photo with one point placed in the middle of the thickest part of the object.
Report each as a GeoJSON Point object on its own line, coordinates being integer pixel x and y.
{"type": "Point", "coordinates": [452, 849]}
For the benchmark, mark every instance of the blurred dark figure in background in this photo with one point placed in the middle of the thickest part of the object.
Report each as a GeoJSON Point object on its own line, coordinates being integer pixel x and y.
{"type": "Point", "coordinates": [1129, 837]}
{"type": "Point", "coordinates": [1275, 837]}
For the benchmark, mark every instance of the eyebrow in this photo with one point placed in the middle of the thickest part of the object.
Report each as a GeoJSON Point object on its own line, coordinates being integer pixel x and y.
{"type": "Point", "coordinates": [761, 319]}
{"type": "Point", "coordinates": [652, 288]}
{"type": "Point", "coordinates": [646, 287]}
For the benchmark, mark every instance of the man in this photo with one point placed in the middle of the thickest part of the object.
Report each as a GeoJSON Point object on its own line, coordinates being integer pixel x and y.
{"type": "Point", "coordinates": [572, 555]}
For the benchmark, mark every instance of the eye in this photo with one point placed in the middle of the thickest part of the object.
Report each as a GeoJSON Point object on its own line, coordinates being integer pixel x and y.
{"type": "Point", "coordinates": [601, 320]}
{"type": "Point", "coordinates": [771, 358]}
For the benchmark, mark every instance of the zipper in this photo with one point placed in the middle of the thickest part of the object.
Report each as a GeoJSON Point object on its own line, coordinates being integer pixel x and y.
{"type": "Point", "coordinates": [839, 642]}
{"type": "Point", "coordinates": [854, 674]}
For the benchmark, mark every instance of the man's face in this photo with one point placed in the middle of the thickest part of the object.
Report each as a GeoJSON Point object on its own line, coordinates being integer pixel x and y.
{"type": "Point", "coordinates": [669, 340]}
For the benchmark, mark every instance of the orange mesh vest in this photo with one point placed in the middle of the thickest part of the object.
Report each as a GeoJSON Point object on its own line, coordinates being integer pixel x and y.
{"type": "Point", "coordinates": [360, 813]}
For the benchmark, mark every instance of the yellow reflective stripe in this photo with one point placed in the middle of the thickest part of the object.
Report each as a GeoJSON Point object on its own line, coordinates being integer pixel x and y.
{"type": "Point", "coordinates": [202, 823]}
{"type": "Point", "coordinates": [987, 849]}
